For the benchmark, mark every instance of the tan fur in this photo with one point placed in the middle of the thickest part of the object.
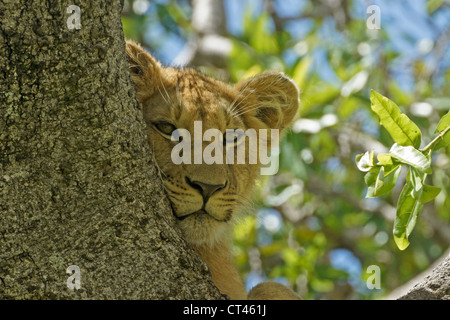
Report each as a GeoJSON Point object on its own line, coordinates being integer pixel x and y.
{"type": "Point", "coordinates": [182, 96]}
{"type": "Point", "coordinates": [272, 291]}
{"type": "Point", "coordinates": [224, 274]}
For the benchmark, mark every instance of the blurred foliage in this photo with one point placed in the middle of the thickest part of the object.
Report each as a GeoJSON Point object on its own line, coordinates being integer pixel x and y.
{"type": "Point", "coordinates": [313, 229]}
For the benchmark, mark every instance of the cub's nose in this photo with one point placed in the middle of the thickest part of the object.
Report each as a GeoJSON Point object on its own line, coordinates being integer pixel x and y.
{"type": "Point", "coordinates": [206, 190]}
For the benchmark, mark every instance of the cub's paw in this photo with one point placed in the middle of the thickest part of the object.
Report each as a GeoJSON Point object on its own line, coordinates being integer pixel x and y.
{"type": "Point", "coordinates": [272, 291]}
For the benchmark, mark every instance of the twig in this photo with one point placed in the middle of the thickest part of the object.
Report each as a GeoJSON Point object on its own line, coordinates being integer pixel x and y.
{"type": "Point", "coordinates": [433, 143]}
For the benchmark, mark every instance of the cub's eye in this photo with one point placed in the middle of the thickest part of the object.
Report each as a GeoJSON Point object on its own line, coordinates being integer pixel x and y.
{"type": "Point", "coordinates": [165, 128]}
{"type": "Point", "coordinates": [233, 137]}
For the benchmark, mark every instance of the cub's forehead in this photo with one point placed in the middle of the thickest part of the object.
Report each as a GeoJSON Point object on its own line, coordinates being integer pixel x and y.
{"type": "Point", "coordinates": [186, 95]}
{"type": "Point", "coordinates": [202, 98]}
{"type": "Point", "coordinates": [197, 89]}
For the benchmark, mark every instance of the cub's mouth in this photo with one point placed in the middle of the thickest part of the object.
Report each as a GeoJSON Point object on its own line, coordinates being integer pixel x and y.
{"type": "Point", "coordinates": [200, 213]}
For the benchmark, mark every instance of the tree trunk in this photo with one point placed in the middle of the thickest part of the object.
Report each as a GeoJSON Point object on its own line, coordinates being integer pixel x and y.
{"type": "Point", "coordinates": [78, 186]}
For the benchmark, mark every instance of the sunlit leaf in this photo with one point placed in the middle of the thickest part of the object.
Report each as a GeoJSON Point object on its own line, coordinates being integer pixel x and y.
{"type": "Point", "coordinates": [301, 71]}
{"type": "Point", "coordinates": [379, 183]}
{"type": "Point", "coordinates": [132, 27]}
{"type": "Point", "coordinates": [410, 156]}
{"type": "Point", "coordinates": [317, 93]}
{"type": "Point", "coordinates": [384, 159]}
{"type": "Point", "coordinates": [322, 285]}
{"type": "Point", "coordinates": [433, 5]}
{"type": "Point", "coordinates": [417, 179]}
{"type": "Point", "coordinates": [348, 106]}
{"type": "Point", "coordinates": [261, 39]}
{"type": "Point", "coordinates": [443, 124]}
{"type": "Point", "coordinates": [364, 161]}
{"type": "Point", "coordinates": [400, 127]}
{"type": "Point", "coordinates": [371, 179]}
{"type": "Point", "coordinates": [252, 71]}
{"type": "Point", "coordinates": [408, 210]}
{"type": "Point", "coordinates": [429, 193]}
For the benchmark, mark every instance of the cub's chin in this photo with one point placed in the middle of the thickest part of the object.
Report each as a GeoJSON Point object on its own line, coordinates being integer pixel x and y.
{"type": "Point", "coordinates": [202, 229]}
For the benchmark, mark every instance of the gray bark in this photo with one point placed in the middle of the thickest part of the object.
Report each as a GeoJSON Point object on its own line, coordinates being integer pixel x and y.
{"type": "Point", "coordinates": [435, 286]}
{"type": "Point", "coordinates": [77, 182]}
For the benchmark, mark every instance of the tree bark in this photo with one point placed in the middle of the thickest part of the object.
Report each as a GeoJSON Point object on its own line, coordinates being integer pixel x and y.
{"type": "Point", "coordinates": [435, 286]}
{"type": "Point", "coordinates": [77, 182]}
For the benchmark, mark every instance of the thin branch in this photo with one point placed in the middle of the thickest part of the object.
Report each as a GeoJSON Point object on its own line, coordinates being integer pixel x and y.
{"type": "Point", "coordinates": [435, 141]}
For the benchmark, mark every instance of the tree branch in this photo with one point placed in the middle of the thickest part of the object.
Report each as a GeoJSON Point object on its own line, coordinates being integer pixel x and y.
{"type": "Point", "coordinates": [435, 286]}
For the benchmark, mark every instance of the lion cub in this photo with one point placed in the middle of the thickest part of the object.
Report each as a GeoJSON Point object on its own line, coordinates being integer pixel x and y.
{"type": "Point", "coordinates": [206, 198]}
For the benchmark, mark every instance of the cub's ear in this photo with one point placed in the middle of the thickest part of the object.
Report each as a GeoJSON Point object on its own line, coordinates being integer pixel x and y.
{"type": "Point", "coordinates": [275, 98]}
{"type": "Point", "coordinates": [144, 69]}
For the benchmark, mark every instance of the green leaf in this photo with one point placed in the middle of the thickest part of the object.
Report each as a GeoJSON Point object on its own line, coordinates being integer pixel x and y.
{"type": "Point", "coordinates": [380, 183]}
{"type": "Point", "coordinates": [411, 156]}
{"type": "Point", "coordinates": [364, 161]}
{"type": "Point", "coordinates": [400, 127]}
{"type": "Point", "coordinates": [429, 193]}
{"type": "Point", "coordinates": [372, 179]}
{"type": "Point", "coordinates": [408, 210]}
{"type": "Point", "coordinates": [444, 123]}
{"type": "Point", "coordinates": [301, 71]}
{"type": "Point", "coordinates": [131, 27]}
{"type": "Point", "coordinates": [416, 178]}
{"type": "Point", "coordinates": [261, 38]}
{"type": "Point", "coordinates": [433, 5]}
{"type": "Point", "coordinates": [401, 241]}
{"type": "Point", "coordinates": [385, 159]}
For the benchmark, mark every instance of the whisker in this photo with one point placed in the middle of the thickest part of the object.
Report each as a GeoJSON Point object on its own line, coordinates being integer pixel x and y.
{"type": "Point", "coordinates": [237, 96]}
{"type": "Point", "coordinates": [164, 87]}
{"type": "Point", "coordinates": [156, 163]}
{"type": "Point", "coordinates": [236, 106]}
{"type": "Point", "coordinates": [162, 96]}
{"type": "Point", "coordinates": [232, 107]}
{"type": "Point", "coordinates": [252, 108]}
{"type": "Point", "coordinates": [244, 201]}
{"type": "Point", "coordinates": [248, 107]}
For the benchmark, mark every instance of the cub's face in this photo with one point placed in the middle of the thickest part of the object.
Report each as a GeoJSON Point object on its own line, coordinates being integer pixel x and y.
{"type": "Point", "coordinates": [207, 197]}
